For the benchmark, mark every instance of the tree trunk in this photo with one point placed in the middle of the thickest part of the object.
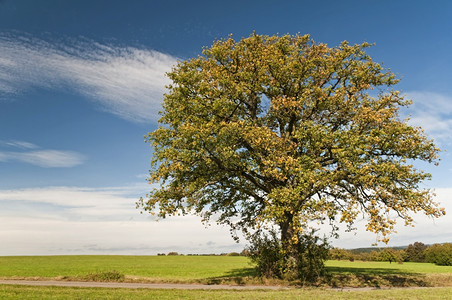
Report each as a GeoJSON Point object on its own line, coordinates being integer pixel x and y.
{"type": "Point", "coordinates": [287, 230]}
{"type": "Point", "coordinates": [287, 242]}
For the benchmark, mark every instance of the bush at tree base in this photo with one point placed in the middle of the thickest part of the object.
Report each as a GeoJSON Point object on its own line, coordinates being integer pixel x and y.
{"type": "Point", "coordinates": [273, 260]}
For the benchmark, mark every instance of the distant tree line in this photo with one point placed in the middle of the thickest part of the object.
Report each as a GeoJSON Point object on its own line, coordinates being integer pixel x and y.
{"type": "Point", "coordinates": [439, 254]}
{"type": "Point", "coordinates": [173, 253]}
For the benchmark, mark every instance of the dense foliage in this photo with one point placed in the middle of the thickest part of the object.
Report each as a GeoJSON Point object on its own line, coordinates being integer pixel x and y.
{"type": "Point", "coordinates": [281, 132]}
{"type": "Point", "coordinates": [439, 254]}
{"type": "Point", "coordinates": [415, 252]}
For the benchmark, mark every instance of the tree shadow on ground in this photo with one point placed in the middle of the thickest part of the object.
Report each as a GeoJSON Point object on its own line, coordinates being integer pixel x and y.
{"type": "Point", "coordinates": [373, 277]}
{"type": "Point", "coordinates": [235, 276]}
{"type": "Point", "coordinates": [368, 271]}
{"type": "Point", "coordinates": [335, 277]}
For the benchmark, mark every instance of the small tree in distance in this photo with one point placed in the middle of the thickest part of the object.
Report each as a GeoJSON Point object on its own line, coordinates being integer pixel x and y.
{"type": "Point", "coordinates": [415, 252]}
{"type": "Point", "coordinates": [278, 132]}
{"type": "Point", "coordinates": [389, 254]}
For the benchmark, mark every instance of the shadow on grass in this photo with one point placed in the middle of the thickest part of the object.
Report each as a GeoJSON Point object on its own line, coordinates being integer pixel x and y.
{"type": "Point", "coordinates": [335, 277]}
{"type": "Point", "coordinates": [368, 271]}
{"type": "Point", "coordinates": [235, 276]}
{"type": "Point", "coordinates": [373, 277]}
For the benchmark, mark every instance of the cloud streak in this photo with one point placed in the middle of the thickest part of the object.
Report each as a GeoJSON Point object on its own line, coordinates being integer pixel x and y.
{"type": "Point", "coordinates": [128, 82]}
{"type": "Point", "coordinates": [18, 144]}
{"type": "Point", "coordinates": [46, 158]}
{"type": "Point", "coordinates": [79, 203]}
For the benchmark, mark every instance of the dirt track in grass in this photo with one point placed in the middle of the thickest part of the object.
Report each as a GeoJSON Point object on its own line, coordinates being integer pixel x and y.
{"type": "Point", "coordinates": [173, 285]}
{"type": "Point", "coordinates": [140, 285]}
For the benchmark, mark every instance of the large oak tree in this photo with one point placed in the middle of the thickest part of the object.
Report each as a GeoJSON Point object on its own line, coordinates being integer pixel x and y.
{"type": "Point", "coordinates": [283, 130]}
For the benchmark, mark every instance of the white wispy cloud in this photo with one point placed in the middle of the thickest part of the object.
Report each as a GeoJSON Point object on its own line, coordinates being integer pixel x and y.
{"type": "Point", "coordinates": [46, 158]}
{"type": "Point", "coordinates": [433, 112]}
{"type": "Point", "coordinates": [19, 144]}
{"type": "Point", "coordinates": [128, 82]}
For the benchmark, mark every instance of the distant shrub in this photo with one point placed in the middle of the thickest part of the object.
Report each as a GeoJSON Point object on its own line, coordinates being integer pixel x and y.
{"type": "Point", "coordinates": [233, 254]}
{"type": "Point", "coordinates": [105, 276]}
{"type": "Point", "coordinates": [340, 254]}
{"type": "Point", "coordinates": [161, 254]}
{"type": "Point", "coordinates": [173, 253]}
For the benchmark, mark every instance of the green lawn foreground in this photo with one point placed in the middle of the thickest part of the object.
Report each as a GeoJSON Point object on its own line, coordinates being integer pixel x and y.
{"type": "Point", "coordinates": [34, 292]}
{"type": "Point", "coordinates": [209, 269]}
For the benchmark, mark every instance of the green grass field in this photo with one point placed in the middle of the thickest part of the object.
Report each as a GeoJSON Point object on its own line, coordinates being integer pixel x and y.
{"type": "Point", "coordinates": [33, 292]}
{"type": "Point", "coordinates": [386, 267]}
{"type": "Point", "coordinates": [217, 269]}
{"type": "Point", "coordinates": [186, 269]}
{"type": "Point", "coordinates": [358, 273]}
{"type": "Point", "coordinates": [155, 268]}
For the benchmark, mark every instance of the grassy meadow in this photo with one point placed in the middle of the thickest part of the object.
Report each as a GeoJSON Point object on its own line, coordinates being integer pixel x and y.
{"type": "Point", "coordinates": [174, 269]}
{"type": "Point", "coordinates": [33, 292]}
{"type": "Point", "coordinates": [435, 280]}
{"type": "Point", "coordinates": [213, 270]}
{"type": "Point", "coordinates": [376, 267]}
{"type": "Point", "coordinates": [381, 274]}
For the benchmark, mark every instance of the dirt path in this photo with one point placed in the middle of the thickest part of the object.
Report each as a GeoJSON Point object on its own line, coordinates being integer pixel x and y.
{"type": "Point", "coordinates": [140, 285]}
{"type": "Point", "coordinates": [175, 285]}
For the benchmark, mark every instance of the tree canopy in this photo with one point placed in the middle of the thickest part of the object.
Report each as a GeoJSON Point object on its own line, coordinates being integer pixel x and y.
{"type": "Point", "coordinates": [281, 130]}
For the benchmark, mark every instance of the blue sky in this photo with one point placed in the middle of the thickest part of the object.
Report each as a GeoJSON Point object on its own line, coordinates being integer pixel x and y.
{"type": "Point", "coordinates": [81, 83]}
